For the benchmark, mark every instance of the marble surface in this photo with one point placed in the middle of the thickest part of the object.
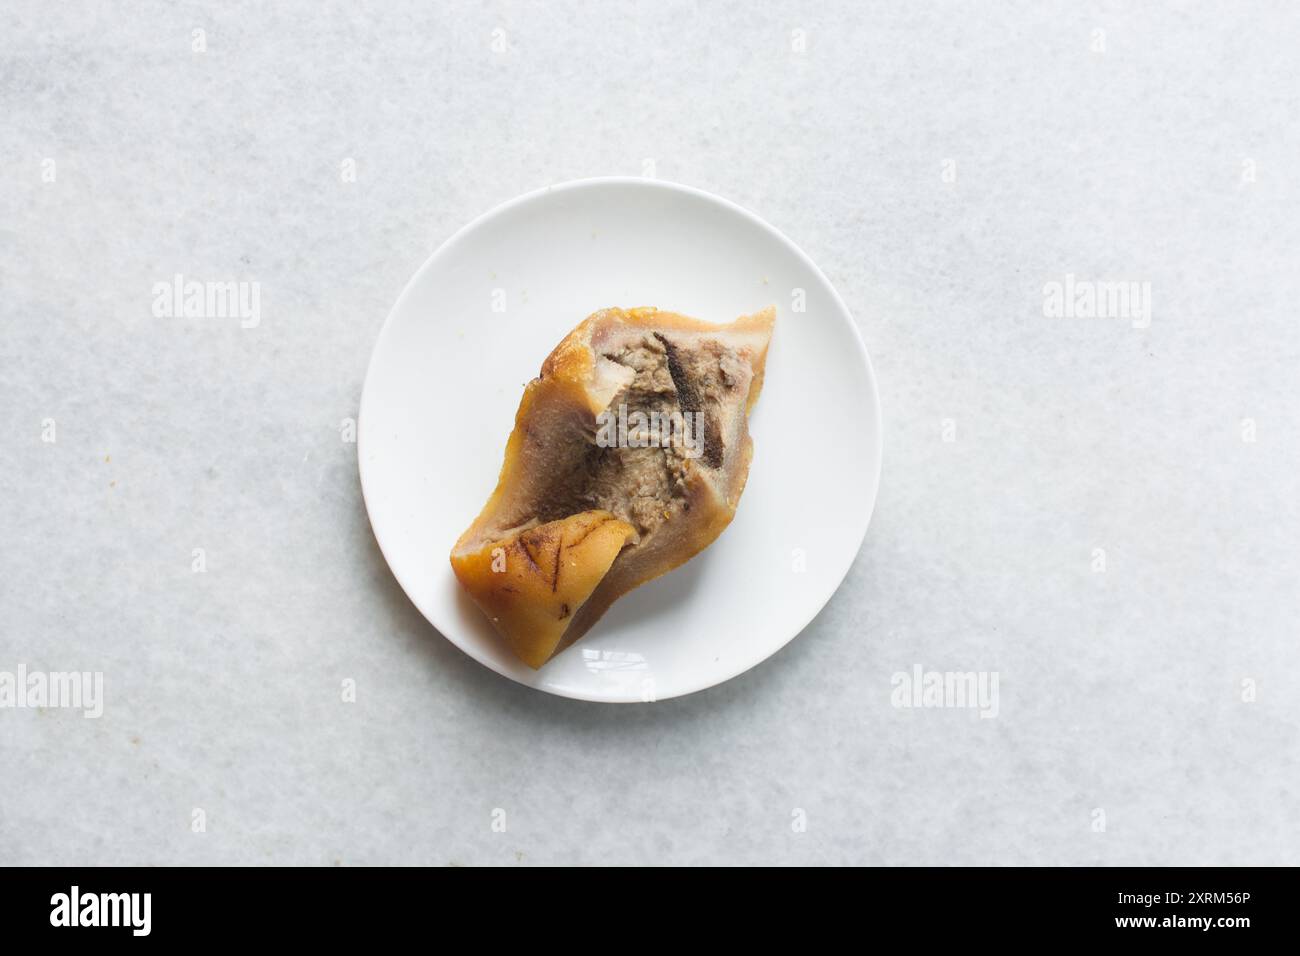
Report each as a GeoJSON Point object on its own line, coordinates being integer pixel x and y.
{"type": "Point", "coordinates": [942, 163]}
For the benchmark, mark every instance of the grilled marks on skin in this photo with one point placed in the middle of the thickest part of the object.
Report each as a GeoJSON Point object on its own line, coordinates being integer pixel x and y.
{"type": "Point", "coordinates": [534, 543]}
{"type": "Point", "coordinates": [590, 528]}
{"type": "Point", "coordinates": [526, 542]}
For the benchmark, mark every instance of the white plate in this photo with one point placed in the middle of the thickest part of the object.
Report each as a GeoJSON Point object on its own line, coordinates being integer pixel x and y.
{"type": "Point", "coordinates": [472, 328]}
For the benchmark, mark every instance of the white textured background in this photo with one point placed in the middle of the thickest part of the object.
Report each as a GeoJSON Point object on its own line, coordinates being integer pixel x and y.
{"type": "Point", "coordinates": [1120, 690]}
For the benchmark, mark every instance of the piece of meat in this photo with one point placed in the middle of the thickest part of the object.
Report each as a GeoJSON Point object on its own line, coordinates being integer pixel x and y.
{"type": "Point", "coordinates": [628, 457]}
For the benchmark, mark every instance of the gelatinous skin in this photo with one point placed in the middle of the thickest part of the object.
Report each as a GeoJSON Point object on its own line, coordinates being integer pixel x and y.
{"type": "Point", "coordinates": [591, 502]}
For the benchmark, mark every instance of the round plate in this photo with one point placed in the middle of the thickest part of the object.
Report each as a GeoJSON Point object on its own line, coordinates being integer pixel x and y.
{"type": "Point", "coordinates": [472, 328]}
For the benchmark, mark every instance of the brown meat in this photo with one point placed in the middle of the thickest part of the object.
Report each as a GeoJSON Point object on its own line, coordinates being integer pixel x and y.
{"type": "Point", "coordinates": [628, 457]}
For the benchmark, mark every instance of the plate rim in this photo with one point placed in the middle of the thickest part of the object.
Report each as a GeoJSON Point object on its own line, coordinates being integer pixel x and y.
{"type": "Point", "coordinates": [641, 182]}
